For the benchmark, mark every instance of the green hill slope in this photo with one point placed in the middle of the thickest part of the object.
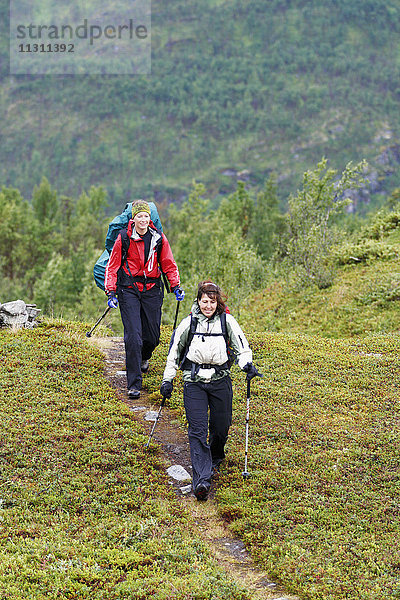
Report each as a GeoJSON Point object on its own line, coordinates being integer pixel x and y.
{"type": "Point", "coordinates": [363, 299]}
{"type": "Point", "coordinates": [320, 510]}
{"type": "Point", "coordinates": [85, 512]}
{"type": "Point", "coordinates": [82, 514]}
{"type": "Point", "coordinates": [254, 87]}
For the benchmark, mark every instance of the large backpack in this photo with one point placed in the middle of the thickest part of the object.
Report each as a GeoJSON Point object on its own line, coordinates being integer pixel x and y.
{"type": "Point", "coordinates": [192, 332]}
{"type": "Point", "coordinates": [119, 223]}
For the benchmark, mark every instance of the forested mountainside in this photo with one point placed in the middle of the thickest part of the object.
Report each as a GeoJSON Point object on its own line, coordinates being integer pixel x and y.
{"type": "Point", "coordinates": [238, 90]}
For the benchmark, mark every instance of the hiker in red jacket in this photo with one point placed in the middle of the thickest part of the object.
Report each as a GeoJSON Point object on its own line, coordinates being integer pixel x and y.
{"type": "Point", "coordinates": [136, 286]}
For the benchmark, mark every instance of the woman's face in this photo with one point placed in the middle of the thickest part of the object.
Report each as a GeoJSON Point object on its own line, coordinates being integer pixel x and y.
{"type": "Point", "coordinates": [141, 221]}
{"type": "Point", "coordinates": [207, 305]}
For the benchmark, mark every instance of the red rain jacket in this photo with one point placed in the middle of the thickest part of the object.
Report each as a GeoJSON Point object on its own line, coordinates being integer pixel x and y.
{"type": "Point", "coordinates": [135, 260]}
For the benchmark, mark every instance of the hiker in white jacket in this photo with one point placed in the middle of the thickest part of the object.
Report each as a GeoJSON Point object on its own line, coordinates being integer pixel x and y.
{"type": "Point", "coordinates": [201, 346]}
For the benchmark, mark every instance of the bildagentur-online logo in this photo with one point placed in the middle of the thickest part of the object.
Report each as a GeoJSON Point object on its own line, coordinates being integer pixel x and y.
{"type": "Point", "coordinates": [84, 31]}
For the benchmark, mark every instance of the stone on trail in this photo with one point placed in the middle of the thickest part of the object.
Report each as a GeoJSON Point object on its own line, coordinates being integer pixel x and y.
{"type": "Point", "coordinates": [178, 472]}
{"type": "Point", "coordinates": [151, 415]}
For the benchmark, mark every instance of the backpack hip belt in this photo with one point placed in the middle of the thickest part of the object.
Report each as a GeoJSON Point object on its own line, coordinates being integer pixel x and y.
{"type": "Point", "coordinates": [194, 368]}
{"type": "Point", "coordinates": [125, 280]}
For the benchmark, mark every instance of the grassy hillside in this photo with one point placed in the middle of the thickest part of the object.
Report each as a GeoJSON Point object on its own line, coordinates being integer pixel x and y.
{"type": "Point", "coordinates": [255, 87]}
{"type": "Point", "coordinates": [364, 298]}
{"type": "Point", "coordinates": [85, 512]}
{"type": "Point", "coordinates": [320, 510]}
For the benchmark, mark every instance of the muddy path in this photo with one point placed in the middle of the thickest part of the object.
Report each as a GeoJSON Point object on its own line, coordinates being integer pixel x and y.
{"type": "Point", "coordinates": [229, 551]}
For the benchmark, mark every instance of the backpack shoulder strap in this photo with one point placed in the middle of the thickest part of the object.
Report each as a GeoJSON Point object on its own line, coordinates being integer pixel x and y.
{"type": "Point", "coordinates": [223, 325]}
{"type": "Point", "coordinates": [192, 330]}
{"type": "Point", "coordinates": [125, 242]}
{"type": "Point", "coordinates": [229, 350]}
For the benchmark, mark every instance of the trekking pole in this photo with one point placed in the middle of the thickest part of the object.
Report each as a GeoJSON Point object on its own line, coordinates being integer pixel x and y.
{"type": "Point", "coordinates": [155, 422]}
{"type": "Point", "coordinates": [245, 473]}
{"type": "Point", "coordinates": [89, 333]}
{"type": "Point", "coordinates": [176, 314]}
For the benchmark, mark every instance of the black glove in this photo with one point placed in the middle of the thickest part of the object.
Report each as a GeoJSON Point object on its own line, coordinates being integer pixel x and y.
{"type": "Point", "coordinates": [166, 389]}
{"type": "Point", "coordinates": [251, 371]}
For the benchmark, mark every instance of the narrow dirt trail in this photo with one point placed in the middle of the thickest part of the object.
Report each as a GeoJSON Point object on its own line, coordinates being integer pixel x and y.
{"type": "Point", "coordinates": [229, 551]}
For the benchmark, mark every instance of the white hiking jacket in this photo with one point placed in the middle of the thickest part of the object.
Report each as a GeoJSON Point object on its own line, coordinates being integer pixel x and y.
{"type": "Point", "coordinates": [207, 350]}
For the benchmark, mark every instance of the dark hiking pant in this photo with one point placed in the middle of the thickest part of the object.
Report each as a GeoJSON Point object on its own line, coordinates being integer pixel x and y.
{"type": "Point", "coordinates": [208, 409]}
{"type": "Point", "coordinates": [141, 317]}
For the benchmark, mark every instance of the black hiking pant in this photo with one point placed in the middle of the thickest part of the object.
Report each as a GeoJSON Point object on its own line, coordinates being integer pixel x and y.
{"type": "Point", "coordinates": [141, 317]}
{"type": "Point", "coordinates": [208, 409]}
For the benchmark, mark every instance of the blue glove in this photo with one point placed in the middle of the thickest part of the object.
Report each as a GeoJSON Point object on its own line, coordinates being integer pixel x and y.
{"type": "Point", "coordinates": [179, 293]}
{"type": "Point", "coordinates": [166, 389]}
{"type": "Point", "coordinates": [251, 371]}
{"type": "Point", "coordinates": [112, 300]}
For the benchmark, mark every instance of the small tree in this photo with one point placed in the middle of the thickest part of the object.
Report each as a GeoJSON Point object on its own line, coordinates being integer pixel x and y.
{"type": "Point", "coordinates": [212, 244]}
{"type": "Point", "coordinates": [257, 219]}
{"type": "Point", "coordinates": [268, 221]}
{"type": "Point", "coordinates": [15, 223]}
{"type": "Point", "coordinates": [306, 245]}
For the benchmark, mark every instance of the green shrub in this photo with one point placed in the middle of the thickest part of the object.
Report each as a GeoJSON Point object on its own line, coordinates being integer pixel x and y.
{"type": "Point", "coordinates": [363, 252]}
{"type": "Point", "coordinates": [381, 224]}
{"type": "Point", "coordinates": [381, 291]}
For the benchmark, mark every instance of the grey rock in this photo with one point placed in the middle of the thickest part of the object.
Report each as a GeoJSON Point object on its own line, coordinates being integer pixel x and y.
{"type": "Point", "coordinates": [14, 308]}
{"type": "Point", "coordinates": [178, 473]}
{"type": "Point", "coordinates": [32, 311]}
{"type": "Point", "coordinates": [18, 314]}
{"type": "Point", "coordinates": [151, 415]}
{"type": "Point", "coordinates": [229, 172]}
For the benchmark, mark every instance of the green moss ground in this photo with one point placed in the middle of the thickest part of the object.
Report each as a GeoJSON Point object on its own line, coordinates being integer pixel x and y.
{"type": "Point", "coordinates": [321, 509]}
{"type": "Point", "coordinates": [85, 512]}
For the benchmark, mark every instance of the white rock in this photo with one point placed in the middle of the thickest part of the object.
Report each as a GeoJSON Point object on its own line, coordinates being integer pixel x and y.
{"type": "Point", "coordinates": [151, 415]}
{"type": "Point", "coordinates": [14, 308]}
{"type": "Point", "coordinates": [178, 472]}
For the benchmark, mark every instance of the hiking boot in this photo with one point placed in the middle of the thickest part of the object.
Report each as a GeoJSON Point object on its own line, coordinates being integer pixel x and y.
{"type": "Point", "coordinates": [133, 393]}
{"type": "Point", "coordinates": [201, 492]}
{"type": "Point", "coordinates": [145, 366]}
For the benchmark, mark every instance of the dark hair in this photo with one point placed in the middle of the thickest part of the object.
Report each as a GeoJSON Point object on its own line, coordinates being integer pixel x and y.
{"type": "Point", "coordinates": [212, 290]}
